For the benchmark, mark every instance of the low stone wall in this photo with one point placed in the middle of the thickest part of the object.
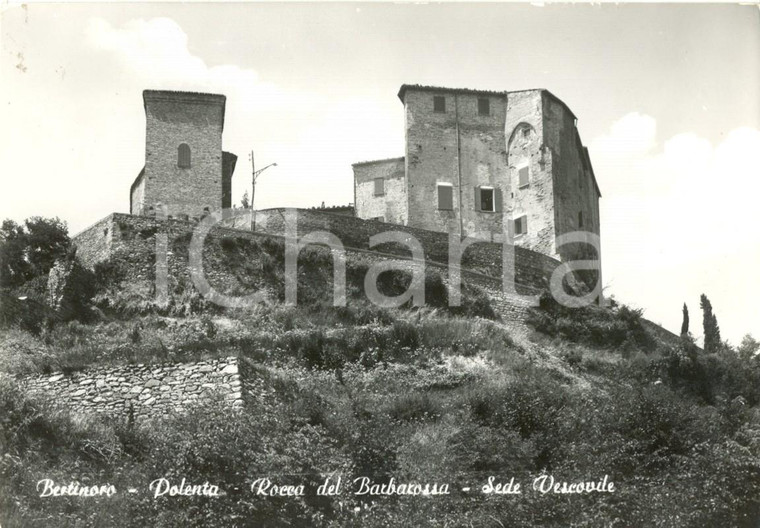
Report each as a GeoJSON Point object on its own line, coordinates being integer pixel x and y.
{"type": "Point", "coordinates": [94, 243]}
{"type": "Point", "coordinates": [532, 269]}
{"type": "Point", "coordinates": [148, 390]}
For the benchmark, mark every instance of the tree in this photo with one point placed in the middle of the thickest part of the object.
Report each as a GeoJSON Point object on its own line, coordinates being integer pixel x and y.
{"type": "Point", "coordinates": [710, 326]}
{"type": "Point", "coordinates": [244, 202]}
{"type": "Point", "coordinates": [47, 240]}
{"type": "Point", "coordinates": [749, 347]}
{"type": "Point", "coordinates": [30, 250]}
{"type": "Point", "coordinates": [685, 323]}
{"type": "Point", "coordinates": [13, 266]}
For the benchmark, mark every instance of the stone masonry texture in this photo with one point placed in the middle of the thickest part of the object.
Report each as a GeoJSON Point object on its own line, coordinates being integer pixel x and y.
{"type": "Point", "coordinates": [460, 145]}
{"type": "Point", "coordinates": [145, 390]}
{"type": "Point", "coordinates": [129, 239]}
{"type": "Point", "coordinates": [390, 206]}
{"type": "Point", "coordinates": [173, 119]}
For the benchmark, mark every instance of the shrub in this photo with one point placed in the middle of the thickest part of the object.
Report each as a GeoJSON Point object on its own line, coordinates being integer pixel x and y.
{"type": "Point", "coordinates": [414, 407]}
{"type": "Point", "coordinates": [619, 326]}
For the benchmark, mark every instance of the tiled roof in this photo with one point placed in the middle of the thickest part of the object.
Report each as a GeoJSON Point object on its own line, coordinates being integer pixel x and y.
{"type": "Point", "coordinates": [405, 87]}
{"type": "Point", "coordinates": [376, 161]}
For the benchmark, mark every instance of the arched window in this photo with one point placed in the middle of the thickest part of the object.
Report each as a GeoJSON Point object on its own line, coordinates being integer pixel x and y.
{"type": "Point", "coordinates": [183, 156]}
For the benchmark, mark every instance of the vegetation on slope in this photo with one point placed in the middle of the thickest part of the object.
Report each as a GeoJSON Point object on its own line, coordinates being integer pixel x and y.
{"type": "Point", "coordinates": [425, 395]}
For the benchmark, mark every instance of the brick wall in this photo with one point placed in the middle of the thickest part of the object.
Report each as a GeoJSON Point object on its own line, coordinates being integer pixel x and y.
{"type": "Point", "coordinates": [174, 118]}
{"type": "Point", "coordinates": [149, 390]}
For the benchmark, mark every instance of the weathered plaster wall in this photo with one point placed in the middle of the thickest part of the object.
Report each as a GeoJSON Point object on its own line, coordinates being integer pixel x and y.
{"type": "Point", "coordinates": [145, 390]}
{"type": "Point", "coordinates": [526, 147]}
{"type": "Point", "coordinates": [458, 147]}
{"type": "Point", "coordinates": [390, 206]}
{"type": "Point", "coordinates": [173, 118]}
{"type": "Point", "coordinates": [575, 193]}
{"type": "Point", "coordinates": [137, 197]}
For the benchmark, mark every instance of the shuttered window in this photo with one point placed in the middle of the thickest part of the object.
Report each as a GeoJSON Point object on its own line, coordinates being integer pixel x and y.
{"type": "Point", "coordinates": [521, 225]}
{"type": "Point", "coordinates": [439, 104]}
{"type": "Point", "coordinates": [445, 197]}
{"type": "Point", "coordinates": [524, 177]}
{"type": "Point", "coordinates": [183, 156]}
{"type": "Point", "coordinates": [379, 186]}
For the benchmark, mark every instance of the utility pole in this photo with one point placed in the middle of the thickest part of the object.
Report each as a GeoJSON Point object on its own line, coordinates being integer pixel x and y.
{"type": "Point", "coordinates": [253, 192]}
{"type": "Point", "coordinates": [254, 176]}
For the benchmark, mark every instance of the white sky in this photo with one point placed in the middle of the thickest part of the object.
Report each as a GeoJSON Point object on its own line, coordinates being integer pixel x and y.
{"type": "Point", "coordinates": [668, 100]}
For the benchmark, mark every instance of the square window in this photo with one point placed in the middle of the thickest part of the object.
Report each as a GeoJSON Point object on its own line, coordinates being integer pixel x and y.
{"type": "Point", "coordinates": [379, 186]}
{"type": "Point", "coordinates": [486, 199]}
{"type": "Point", "coordinates": [521, 225]}
{"type": "Point", "coordinates": [524, 177]}
{"type": "Point", "coordinates": [439, 103]}
{"type": "Point", "coordinates": [484, 106]}
{"type": "Point", "coordinates": [445, 197]}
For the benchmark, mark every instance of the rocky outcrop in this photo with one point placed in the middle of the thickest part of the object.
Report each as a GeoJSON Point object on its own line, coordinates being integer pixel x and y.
{"type": "Point", "coordinates": [69, 287]}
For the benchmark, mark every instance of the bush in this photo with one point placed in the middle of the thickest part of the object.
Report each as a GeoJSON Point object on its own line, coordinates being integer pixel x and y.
{"type": "Point", "coordinates": [616, 327]}
{"type": "Point", "coordinates": [414, 407]}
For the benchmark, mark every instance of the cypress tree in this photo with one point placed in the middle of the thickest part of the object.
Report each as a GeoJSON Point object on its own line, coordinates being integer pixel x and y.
{"type": "Point", "coordinates": [710, 325]}
{"type": "Point", "coordinates": [685, 323]}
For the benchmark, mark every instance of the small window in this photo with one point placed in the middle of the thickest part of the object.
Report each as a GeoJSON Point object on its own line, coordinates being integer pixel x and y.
{"type": "Point", "coordinates": [445, 197]}
{"type": "Point", "coordinates": [484, 106]}
{"type": "Point", "coordinates": [486, 199]}
{"type": "Point", "coordinates": [580, 218]}
{"type": "Point", "coordinates": [439, 103]}
{"type": "Point", "coordinates": [379, 186]}
{"type": "Point", "coordinates": [521, 225]}
{"type": "Point", "coordinates": [524, 177]}
{"type": "Point", "coordinates": [183, 156]}
{"type": "Point", "coordinates": [378, 219]}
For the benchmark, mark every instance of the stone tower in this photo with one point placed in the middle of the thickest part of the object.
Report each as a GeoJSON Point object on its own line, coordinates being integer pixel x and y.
{"type": "Point", "coordinates": [186, 173]}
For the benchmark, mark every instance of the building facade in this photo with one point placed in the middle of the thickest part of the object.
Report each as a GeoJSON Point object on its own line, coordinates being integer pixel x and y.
{"type": "Point", "coordinates": [475, 159]}
{"type": "Point", "coordinates": [186, 173]}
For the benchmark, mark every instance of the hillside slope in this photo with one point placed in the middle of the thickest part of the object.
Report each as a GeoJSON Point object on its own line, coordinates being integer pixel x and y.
{"type": "Point", "coordinates": [429, 395]}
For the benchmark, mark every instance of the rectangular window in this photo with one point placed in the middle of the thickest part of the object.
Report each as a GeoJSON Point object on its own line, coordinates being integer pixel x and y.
{"type": "Point", "coordinates": [486, 199]}
{"type": "Point", "coordinates": [484, 106]}
{"type": "Point", "coordinates": [379, 186]}
{"type": "Point", "coordinates": [445, 197]}
{"type": "Point", "coordinates": [580, 218]}
{"type": "Point", "coordinates": [521, 225]}
{"type": "Point", "coordinates": [524, 177]}
{"type": "Point", "coordinates": [439, 103]}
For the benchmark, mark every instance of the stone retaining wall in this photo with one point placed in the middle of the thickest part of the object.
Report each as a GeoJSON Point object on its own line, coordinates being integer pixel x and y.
{"type": "Point", "coordinates": [149, 390]}
{"type": "Point", "coordinates": [532, 269]}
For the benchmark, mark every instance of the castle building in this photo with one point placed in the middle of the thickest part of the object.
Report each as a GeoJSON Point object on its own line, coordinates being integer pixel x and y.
{"type": "Point", "coordinates": [186, 173]}
{"type": "Point", "coordinates": [474, 157]}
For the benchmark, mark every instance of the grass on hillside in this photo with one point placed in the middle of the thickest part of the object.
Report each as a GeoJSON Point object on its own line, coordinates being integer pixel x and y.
{"type": "Point", "coordinates": [418, 394]}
